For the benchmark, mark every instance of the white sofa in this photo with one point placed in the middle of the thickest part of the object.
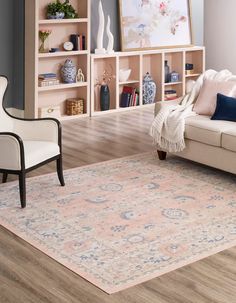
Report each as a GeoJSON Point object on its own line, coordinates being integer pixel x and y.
{"type": "Point", "coordinates": [209, 142]}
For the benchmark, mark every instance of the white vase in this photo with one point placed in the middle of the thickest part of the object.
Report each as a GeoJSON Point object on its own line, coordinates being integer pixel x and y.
{"type": "Point", "coordinates": [100, 49]}
{"type": "Point", "coordinates": [110, 46]}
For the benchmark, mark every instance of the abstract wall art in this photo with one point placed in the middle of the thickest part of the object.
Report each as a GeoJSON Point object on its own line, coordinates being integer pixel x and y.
{"type": "Point", "coordinates": [147, 24]}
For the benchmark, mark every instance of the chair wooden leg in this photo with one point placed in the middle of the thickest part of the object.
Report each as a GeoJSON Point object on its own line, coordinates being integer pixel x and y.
{"type": "Point", "coordinates": [22, 189]}
{"type": "Point", "coordinates": [162, 155]}
{"type": "Point", "coordinates": [4, 177]}
{"type": "Point", "coordinates": [60, 171]}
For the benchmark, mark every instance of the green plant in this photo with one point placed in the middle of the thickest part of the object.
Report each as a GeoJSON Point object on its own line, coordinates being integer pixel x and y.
{"type": "Point", "coordinates": [69, 10]}
{"type": "Point", "coordinates": [62, 7]}
{"type": "Point", "coordinates": [55, 7]}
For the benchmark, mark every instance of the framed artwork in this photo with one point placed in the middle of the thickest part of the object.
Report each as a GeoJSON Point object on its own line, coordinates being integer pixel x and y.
{"type": "Point", "coordinates": [151, 24]}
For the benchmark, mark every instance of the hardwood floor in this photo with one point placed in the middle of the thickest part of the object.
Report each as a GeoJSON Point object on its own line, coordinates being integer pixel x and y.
{"type": "Point", "coordinates": [27, 275]}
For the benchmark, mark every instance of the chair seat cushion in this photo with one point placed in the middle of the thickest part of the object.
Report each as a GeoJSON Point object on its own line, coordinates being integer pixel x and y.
{"type": "Point", "coordinates": [39, 151]}
{"type": "Point", "coordinates": [229, 139]}
{"type": "Point", "coordinates": [203, 129]}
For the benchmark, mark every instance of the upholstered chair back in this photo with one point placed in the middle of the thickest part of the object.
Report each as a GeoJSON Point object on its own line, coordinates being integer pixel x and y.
{"type": "Point", "coordinates": [6, 122]}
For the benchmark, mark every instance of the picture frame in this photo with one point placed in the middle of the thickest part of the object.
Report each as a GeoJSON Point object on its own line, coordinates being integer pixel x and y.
{"type": "Point", "coordinates": [153, 24]}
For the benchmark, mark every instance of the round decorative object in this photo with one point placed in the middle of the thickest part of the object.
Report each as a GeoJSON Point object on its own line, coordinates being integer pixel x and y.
{"type": "Point", "coordinates": [149, 89]}
{"type": "Point", "coordinates": [68, 72]}
{"type": "Point", "coordinates": [104, 97]}
{"type": "Point", "coordinates": [68, 46]}
{"type": "Point", "coordinates": [58, 15]}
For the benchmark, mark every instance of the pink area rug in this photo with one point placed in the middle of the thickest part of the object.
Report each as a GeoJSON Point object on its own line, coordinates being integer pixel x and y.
{"type": "Point", "coordinates": [123, 222]}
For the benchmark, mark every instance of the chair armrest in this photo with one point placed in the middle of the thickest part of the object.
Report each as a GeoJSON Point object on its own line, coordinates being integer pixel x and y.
{"type": "Point", "coordinates": [45, 129]}
{"type": "Point", "coordinates": [11, 151]}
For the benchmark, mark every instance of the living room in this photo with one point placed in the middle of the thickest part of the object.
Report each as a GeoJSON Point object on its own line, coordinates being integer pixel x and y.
{"type": "Point", "coordinates": [117, 175]}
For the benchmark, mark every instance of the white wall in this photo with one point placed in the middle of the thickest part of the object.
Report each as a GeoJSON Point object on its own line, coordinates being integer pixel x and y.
{"type": "Point", "coordinates": [220, 34]}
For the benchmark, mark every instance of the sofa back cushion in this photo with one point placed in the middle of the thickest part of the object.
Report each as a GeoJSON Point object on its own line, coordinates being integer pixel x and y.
{"type": "Point", "coordinates": [206, 101]}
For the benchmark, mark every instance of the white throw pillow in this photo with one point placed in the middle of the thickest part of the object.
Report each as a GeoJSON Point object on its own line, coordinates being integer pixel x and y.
{"type": "Point", "coordinates": [206, 101]}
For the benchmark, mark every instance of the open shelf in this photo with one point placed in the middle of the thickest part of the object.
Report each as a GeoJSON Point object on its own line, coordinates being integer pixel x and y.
{"type": "Point", "coordinates": [172, 83]}
{"type": "Point", "coordinates": [141, 63]}
{"type": "Point", "coordinates": [63, 21]}
{"type": "Point", "coordinates": [129, 82]}
{"type": "Point", "coordinates": [62, 54]}
{"type": "Point", "coordinates": [62, 86]}
{"type": "Point", "coordinates": [192, 75]}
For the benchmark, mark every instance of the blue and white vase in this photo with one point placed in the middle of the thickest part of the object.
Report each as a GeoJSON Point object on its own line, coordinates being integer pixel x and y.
{"type": "Point", "coordinates": [149, 89]}
{"type": "Point", "coordinates": [68, 72]}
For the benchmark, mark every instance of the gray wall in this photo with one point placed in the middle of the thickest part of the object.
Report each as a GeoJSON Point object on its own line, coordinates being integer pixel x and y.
{"type": "Point", "coordinates": [220, 34]}
{"type": "Point", "coordinates": [12, 49]}
{"type": "Point", "coordinates": [7, 43]}
{"type": "Point", "coordinates": [111, 7]}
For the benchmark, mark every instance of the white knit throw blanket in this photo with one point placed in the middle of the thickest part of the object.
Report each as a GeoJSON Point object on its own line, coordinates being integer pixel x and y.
{"type": "Point", "coordinates": [167, 129]}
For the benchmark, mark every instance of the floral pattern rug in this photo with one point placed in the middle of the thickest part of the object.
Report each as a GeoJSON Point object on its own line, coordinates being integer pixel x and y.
{"type": "Point", "coordinates": [125, 221]}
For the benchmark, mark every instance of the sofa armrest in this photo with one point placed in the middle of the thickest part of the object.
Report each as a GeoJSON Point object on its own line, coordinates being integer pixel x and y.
{"type": "Point", "coordinates": [11, 152]}
{"type": "Point", "coordinates": [46, 129]}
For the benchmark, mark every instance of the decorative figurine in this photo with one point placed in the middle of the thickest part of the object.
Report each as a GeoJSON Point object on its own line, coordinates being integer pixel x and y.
{"type": "Point", "coordinates": [110, 47]}
{"type": "Point", "coordinates": [100, 49]}
{"type": "Point", "coordinates": [80, 76]}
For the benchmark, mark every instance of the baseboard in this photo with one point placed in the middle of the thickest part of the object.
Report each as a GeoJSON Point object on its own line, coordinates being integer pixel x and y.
{"type": "Point", "coordinates": [20, 113]}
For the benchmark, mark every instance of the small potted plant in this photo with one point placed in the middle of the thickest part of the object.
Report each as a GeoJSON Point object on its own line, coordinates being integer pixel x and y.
{"type": "Point", "coordinates": [61, 10]}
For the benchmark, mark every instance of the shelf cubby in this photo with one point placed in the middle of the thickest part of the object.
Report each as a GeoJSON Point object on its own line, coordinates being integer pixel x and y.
{"type": "Point", "coordinates": [49, 98]}
{"type": "Point", "coordinates": [152, 64]}
{"type": "Point", "coordinates": [195, 58]}
{"type": "Point", "coordinates": [103, 64]}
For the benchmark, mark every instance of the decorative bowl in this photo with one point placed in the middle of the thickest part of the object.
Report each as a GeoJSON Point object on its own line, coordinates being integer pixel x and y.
{"type": "Point", "coordinates": [124, 74]}
{"type": "Point", "coordinates": [59, 15]}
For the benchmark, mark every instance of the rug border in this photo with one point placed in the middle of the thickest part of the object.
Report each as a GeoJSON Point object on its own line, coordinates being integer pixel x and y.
{"type": "Point", "coordinates": [112, 290]}
{"type": "Point", "coordinates": [88, 277]}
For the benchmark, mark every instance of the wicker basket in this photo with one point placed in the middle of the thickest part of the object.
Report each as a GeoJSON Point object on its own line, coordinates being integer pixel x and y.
{"type": "Point", "coordinates": [74, 107]}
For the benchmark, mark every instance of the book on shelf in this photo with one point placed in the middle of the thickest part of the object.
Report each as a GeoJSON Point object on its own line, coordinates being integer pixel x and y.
{"type": "Point", "coordinates": [47, 76]}
{"type": "Point", "coordinates": [43, 83]}
{"type": "Point", "coordinates": [170, 95]}
{"type": "Point", "coordinates": [129, 97]}
{"type": "Point", "coordinates": [79, 42]}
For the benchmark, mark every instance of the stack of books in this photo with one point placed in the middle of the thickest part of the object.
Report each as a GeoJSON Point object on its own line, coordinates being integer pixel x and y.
{"type": "Point", "coordinates": [129, 97]}
{"type": "Point", "coordinates": [48, 79]}
{"type": "Point", "coordinates": [170, 95]}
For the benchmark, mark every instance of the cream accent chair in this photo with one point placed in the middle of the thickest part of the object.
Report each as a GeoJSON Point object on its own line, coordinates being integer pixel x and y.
{"type": "Point", "coordinates": [26, 144]}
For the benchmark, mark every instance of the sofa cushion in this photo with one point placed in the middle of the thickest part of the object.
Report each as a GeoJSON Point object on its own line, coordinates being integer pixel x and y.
{"type": "Point", "coordinates": [39, 151]}
{"type": "Point", "coordinates": [205, 130]}
{"type": "Point", "coordinates": [206, 101]}
{"type": "Point", "coordinates": [229, 139]}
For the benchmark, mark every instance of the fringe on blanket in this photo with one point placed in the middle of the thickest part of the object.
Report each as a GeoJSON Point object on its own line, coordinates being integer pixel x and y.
{"type": "Point", "coordinates": [166, 145]}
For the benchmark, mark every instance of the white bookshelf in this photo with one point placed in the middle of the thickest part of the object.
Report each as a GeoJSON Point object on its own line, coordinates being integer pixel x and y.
{"type": "Point", "coordinates": [141, 62]}
{"type": "Point", "coordinates": [38, 63]}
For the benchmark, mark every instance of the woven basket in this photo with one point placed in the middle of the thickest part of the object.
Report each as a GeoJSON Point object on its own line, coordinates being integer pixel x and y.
{"type": "Point", "coordinates": [74, 107]}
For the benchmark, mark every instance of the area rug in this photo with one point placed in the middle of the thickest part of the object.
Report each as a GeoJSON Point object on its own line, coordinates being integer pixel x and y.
{"type": "Point", "coordinates": [122, 222]}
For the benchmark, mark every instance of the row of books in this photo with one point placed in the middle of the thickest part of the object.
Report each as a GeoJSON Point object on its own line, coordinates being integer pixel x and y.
{"type": "Point", "coordinates": [79, 42]}
{"type": "Point", "coordinates": [129, 97]}
{"type": "Point", "coordinates": [47, 79]}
